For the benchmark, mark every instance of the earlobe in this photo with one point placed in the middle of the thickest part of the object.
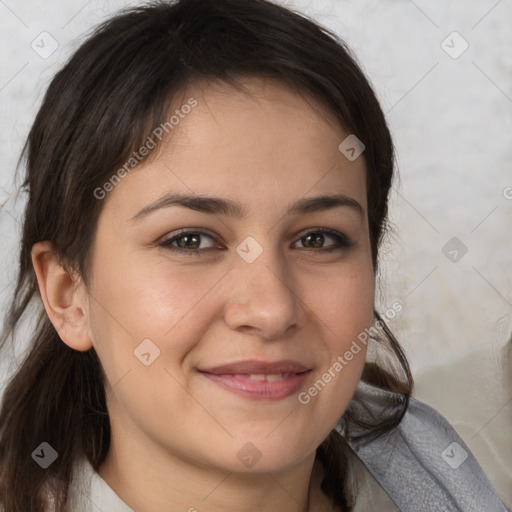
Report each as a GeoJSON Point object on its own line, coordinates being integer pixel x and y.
{"type": "Point", "coordinates": [62, 297]}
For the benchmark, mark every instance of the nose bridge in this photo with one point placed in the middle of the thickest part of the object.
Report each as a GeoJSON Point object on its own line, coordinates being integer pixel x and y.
{"type": "Point", "coordinates": [266, 272]}
{"type": "Point", "coordinates": [262, 269]}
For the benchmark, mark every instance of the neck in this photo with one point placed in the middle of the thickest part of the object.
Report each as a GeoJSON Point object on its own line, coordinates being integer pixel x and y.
{"type": "Point", "coordinates": [149, 485]}
{"type": "Point", "coordinates": [148, 479]}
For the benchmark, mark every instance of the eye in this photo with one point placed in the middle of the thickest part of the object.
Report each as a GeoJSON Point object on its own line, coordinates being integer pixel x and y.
{"type": "Point", "coordinates": [191, 242]}
{"type": "Point", "coordinates": [314, 240]}
{"type": "Point", "coordinates": [194, 242]}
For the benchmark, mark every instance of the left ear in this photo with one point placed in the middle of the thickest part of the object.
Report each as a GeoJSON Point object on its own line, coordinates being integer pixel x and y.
{"type": "Point", "coordinates": [63, 296]}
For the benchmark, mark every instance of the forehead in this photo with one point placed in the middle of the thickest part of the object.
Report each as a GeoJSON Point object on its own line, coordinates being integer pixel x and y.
{"type": "Point", "coordinates": [262, 144]}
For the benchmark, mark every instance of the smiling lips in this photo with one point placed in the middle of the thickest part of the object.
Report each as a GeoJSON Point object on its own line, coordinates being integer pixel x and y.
{"type": "Point", "coordinates": [258, 380]}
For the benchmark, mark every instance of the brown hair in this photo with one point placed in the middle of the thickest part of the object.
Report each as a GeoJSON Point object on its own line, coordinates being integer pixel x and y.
{"type": "Point", "coordinates": [100, 108]}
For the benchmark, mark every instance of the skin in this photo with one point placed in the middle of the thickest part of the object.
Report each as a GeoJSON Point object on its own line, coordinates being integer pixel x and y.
{"type": "Point", "coordinates": [175, 434]}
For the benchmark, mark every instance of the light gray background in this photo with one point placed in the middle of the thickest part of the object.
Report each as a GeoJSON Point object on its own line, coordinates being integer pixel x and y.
{"type": "Point", "coordinates": [451, 121]}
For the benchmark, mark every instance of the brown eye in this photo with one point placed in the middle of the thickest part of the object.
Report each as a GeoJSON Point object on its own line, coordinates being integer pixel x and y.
{"type": "Point", "coordinates": [317, 239]}
{"type": "Point", "coordinates": [189, 242]}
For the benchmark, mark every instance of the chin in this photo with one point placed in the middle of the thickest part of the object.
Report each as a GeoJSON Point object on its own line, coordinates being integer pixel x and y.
{"type": "Point", "coordinates": [269, 454]}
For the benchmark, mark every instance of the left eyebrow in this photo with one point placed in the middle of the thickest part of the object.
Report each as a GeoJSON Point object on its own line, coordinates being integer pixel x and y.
{"type": "Point", "coordinates": [315, 204]}
{"type": "Point", "coordinates": [215, 205]}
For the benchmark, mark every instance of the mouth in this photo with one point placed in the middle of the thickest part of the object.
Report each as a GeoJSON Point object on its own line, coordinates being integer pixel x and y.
{"type": "Point", "coordinates": [256, 380]}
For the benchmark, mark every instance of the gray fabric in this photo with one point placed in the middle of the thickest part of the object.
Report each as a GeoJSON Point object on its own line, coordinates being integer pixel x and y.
{"type": "Point", "coordinates": [423, 464]}
{"type": "Point", "coordinates": [371, 497]}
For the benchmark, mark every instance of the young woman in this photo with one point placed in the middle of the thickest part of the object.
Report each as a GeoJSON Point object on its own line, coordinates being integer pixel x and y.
{"type": "Point", "coordinates": [207, 191]}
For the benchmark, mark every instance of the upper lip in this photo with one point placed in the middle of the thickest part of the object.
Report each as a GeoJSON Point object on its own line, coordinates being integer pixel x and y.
{"type": "Point", "coordinates": [257, 367]}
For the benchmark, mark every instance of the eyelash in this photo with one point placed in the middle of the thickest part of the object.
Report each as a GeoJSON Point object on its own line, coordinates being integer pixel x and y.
{"type": "Point", "coordinates": [342, 242]}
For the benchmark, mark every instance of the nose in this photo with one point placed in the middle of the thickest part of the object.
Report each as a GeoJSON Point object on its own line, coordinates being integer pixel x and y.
{"type": "Point", "coordinates": [262, 299]}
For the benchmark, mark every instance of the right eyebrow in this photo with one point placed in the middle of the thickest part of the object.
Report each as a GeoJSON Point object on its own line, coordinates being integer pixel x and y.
{"type": "Point", "coordinates": [211, 205]}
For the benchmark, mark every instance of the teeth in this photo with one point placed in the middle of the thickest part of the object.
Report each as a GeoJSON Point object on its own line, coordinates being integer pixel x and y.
{"type": "Point", "coordinates": [270, 377]}
{"type": "Point", "coordinates": [274, 376]}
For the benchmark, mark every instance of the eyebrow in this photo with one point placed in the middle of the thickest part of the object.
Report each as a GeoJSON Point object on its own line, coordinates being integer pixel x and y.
{"type": "Point", "coordinates": [216, 206]}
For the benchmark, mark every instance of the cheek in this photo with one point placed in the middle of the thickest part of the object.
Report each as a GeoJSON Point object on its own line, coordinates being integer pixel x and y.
{"type": "Point", "coordinates": [344, 301]}
{"type": "Point", "coordinates": [148, 301]}
{"type": "Point", "coordinates": [167, 304]}
{"type": "Point", "coordinates": [344, 310]}
{"type": "Point", "coordinates": [135, 302]}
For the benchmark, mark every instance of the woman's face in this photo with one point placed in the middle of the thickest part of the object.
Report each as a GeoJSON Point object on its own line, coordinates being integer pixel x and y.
{"type": "Point", "coordinates": [210, 355]}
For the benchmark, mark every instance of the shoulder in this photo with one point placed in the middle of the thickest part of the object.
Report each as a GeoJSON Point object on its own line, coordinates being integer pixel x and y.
{"type": "Point", "coordinates": [91, 493]}
{"type": "Point", "coordinates": [80, 486]}
{"type": "Point", "coordinates": [425, 466]}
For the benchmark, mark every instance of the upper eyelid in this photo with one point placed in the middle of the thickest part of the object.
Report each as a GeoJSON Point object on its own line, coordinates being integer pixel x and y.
{"type": "Point", "coordinates": [188, 231]}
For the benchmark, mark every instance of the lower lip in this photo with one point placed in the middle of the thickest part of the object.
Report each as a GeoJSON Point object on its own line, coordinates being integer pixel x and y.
{"type": "Point", "coordinates": [260, 389]}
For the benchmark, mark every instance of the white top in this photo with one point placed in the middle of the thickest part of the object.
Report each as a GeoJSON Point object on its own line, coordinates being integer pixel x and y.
{"type": "Point", "coordinates": [92, 494]}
